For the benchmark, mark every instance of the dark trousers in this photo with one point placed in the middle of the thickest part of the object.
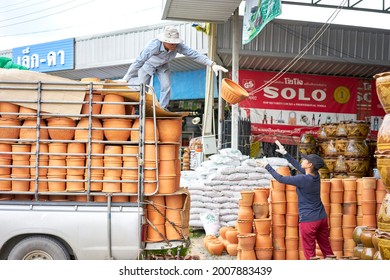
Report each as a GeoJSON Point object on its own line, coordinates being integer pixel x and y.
{"type": "Point", "coordinates": [315, 231]}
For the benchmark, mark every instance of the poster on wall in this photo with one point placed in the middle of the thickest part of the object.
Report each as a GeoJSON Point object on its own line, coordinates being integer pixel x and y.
{"type": "Point", "coordinates": [296, 104]}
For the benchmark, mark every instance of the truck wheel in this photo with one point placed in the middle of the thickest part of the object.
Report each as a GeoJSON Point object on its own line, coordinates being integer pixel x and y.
{"type": "Point", "coordinates": [38, 248]}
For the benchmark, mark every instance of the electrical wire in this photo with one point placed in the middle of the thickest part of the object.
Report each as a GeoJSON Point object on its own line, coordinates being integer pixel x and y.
{"type": "Point", "coordinates": [319, 33]}
{"type": "Point", "coordinates": [59, 12]}
{"type": "Point", "coordinates": [71, 26]}
{"type": "Point", "coordinates": [2, 11]}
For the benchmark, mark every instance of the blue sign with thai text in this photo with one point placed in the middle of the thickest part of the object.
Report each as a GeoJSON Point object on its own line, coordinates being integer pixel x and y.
{"type": "Point", "coordinates": [46, 57]}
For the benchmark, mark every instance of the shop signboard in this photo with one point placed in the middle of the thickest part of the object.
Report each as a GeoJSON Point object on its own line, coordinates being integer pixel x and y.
{"type": "Point", "coordinates": [294, 104]}
{"type": "Point", "coordinates": [46, 57]}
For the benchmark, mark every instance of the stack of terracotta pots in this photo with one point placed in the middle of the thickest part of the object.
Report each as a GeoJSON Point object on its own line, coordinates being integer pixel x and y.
{"type": "Point", "coordinates": [335, 217]}
{"type": "Point", "coordinates": [246, 237]}
{"type": "Point", "coordinates": [232, 241]}
{"type": "Point", "coordinates": [263, 244]}
{"type": "Point", "coordinates": [352, 204]}
{"type": "Point", "coordinates": [167, 216]}
{"type": "Point", "coordinates": [156, 218]}
{"type": "Point", "coordinates": [349, 221]}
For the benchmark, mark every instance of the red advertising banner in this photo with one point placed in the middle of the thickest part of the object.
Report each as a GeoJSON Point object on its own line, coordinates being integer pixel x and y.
{"type": "Point", "coordinates": [294, 104]}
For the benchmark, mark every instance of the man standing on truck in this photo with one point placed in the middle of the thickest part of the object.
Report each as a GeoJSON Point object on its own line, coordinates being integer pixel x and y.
{"type": "Point", "coordinates": [155, 58]}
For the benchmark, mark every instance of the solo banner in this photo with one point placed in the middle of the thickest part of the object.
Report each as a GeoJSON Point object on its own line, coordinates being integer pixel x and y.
{"type": "Point", "coordinates": [298, 103]}
{"type": "Point", "coordinates": [257, 14]}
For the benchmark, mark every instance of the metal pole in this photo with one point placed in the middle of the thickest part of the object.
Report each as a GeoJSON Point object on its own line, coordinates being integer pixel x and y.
{"type": "Point", "coordinates": [209, 98]}
{"type": "Point", "coordinates": [235, 67]}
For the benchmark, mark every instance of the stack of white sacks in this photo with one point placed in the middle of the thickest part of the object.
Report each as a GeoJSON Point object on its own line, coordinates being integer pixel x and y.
{"type": "Point", "coordinates": [215, 186]}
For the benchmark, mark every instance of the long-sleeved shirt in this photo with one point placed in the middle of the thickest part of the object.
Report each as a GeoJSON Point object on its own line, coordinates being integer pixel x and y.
{"type": "Point", "coordinates": [308, 188]}
{"type": "Point", "coordinates": [154, 56]}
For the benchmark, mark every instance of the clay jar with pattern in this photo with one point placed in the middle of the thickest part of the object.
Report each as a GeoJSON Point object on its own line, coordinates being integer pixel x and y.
{"type": "Point", "coordinates": [383, 89]}
{"type": "Point", "coordinates": [357, 129]}
{"type": "Point", "coordinates": [383, 140]}
{"type": "Point", "coordinates": [384, 214]}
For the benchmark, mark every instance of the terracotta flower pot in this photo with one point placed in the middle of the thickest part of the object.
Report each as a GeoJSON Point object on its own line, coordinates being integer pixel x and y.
{"type": "Point", "coordinates": [151, 132]}
{"type": "Point", "coordinates": [245, 226]}
{"type": "Point", "coordinates": [264, 253]}
{"type": "Point", "coordinates": [113, 105]}
{"type": "Point", "coordinates": [28, 131]}
{"type": "Point", "coordinates": [262, 226]}
{"type": "Point", "coordinates": [58, 150]}
{"type": "Point", "coordinates": [82, 131]}
{"type": "Point", "coordinates": [260, 210]}
{"type": "Point", "coordinates": [117, 129]}
{"type": "Point", "coordinates": [232, 235]}
{"type": "Point", "coordinates": [170, 129]}
{"type": "Point", "coordinates": [61, 128]}
{"type": "Point", "coordinates": [7, 107]}
{"type": "Point", "coordinates": [10, 129]}
{"type": "Point", "coordinates": [261, 195]}
{"type": "Point", "coordinates": [246, 241]}
{"type": "Point", "coordinates": [245, 212]}
{"type": "Point", "coordinates": [247, 198]}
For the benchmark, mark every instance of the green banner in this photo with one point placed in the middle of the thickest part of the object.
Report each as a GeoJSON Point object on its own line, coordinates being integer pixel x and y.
{"type": "Point", "coordinates": [257, 14]}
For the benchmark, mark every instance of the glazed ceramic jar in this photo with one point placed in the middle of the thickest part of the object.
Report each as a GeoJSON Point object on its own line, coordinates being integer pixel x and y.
{"type": "Point", "coordinates": [383, 140]}
{"type": "Point", "coordinates": [384, 215]}
{"type": "Point", "coordinates": [356, 148]}
{"type": "Point", "coordinates": [357, 129]}
{"type": "Point", "coordinates": [383, 88]}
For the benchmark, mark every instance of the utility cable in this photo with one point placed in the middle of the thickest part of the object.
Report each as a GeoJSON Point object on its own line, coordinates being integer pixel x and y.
{"type": "Point", "coordinates": [319, 33]}
{"type": "Point", "coordinates": [60, 12]}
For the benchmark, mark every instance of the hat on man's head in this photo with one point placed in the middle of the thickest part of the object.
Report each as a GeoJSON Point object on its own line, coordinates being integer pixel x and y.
{"type": "Point", "coordinates": [316, 160]}
{"type": "Point", "coordinates": [170, 35]}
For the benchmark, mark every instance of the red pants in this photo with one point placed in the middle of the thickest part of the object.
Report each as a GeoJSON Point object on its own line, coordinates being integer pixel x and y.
{"type": "Point", "coordinates": [312, 231]}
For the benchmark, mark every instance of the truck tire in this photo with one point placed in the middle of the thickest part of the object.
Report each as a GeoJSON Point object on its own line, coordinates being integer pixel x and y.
{"type": "Point", "coordinates": [39, 248]}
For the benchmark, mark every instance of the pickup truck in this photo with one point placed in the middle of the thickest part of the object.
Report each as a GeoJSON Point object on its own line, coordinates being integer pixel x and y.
{"type": "Point", "coordinates": [83, 224]}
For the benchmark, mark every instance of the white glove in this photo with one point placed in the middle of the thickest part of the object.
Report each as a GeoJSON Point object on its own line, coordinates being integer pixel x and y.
{"type": "Point", "coordinates": [281, 149]}
{"type": "Point", "coordinates": [120, 81]}
{"type": "Point", "coordinates": [262, 162]}
{"type": "Point", "coordinates": [216, 68]}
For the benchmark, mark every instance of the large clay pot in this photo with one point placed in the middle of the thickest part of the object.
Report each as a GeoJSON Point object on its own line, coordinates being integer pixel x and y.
{"type": "Point", "coordinates": [384, 214]}
{"type": "Point", "coordinates": [82, 131]}
{"type": "Point", "coordinates": [383, 164]}
{"type": "Point", "coordinates": [7, 107]}
{"type": "Point", "coordinates": [384, 245]}
{"type": "Point", "coordinates": [10, 129]}
{"type": "Point", "coordinates": [117, 129]}
{"type": "Point", "coordinates": [383, 138]}
{"type": "Point", "coordinates": [383, 90]}
{"type": "Point", "coordinates": [357, 129]}
{"type": "Point", "coordinates": [61, 133]}
{"type": "Point", "coordinates": [328, 148]}
{"type": "Point", "coordinates": [357, 148]}
{"type": "Point", "coordinates": [232, 235]}
{"type": "Point", "coordinates": [28, 131]}
{"type": "Point", "coordinates": [151, 132]}
{"type": "Point", "coordinates": [357, 167]}
{"type": "Point", "coordinates": [113, 105]}
{"type": "Point", "coordinates": [170, 129]}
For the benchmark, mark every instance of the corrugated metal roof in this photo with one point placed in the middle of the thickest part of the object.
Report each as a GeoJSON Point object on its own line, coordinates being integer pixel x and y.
{"type": "Point", "coordinates": [200, 10]}
{"type": "Point", "coordinates": [340, 51]}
